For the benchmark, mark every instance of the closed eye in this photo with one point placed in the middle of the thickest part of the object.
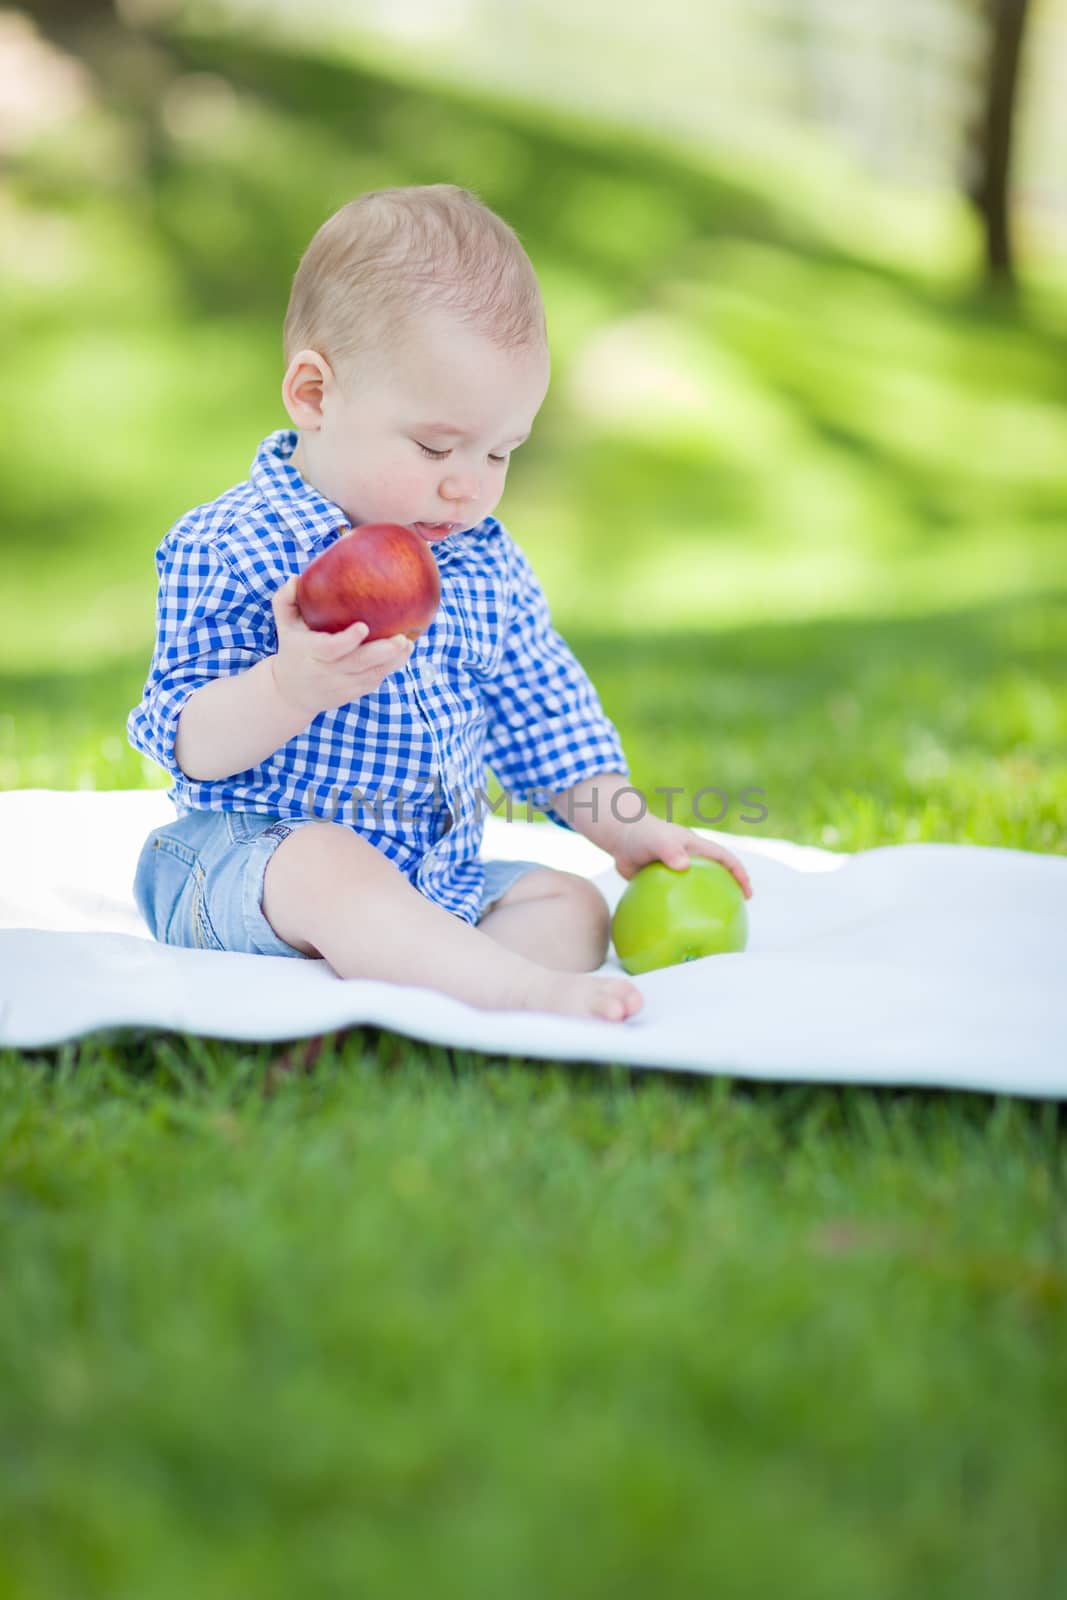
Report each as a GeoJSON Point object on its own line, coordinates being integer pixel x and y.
{"type": "Point", "coordinates": [439, 455]}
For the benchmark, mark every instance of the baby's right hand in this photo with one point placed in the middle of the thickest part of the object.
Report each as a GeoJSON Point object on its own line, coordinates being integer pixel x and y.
{"type": "Point", "coordinates": [319, 671]}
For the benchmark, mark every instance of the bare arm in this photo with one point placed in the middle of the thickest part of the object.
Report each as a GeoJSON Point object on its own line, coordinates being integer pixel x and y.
{"type": "Point", "coordinates": [235, 722]}
{"type": "Point", "coordinates": [590, 808]}
{"type": "Point", "coordinates": [637, 839]}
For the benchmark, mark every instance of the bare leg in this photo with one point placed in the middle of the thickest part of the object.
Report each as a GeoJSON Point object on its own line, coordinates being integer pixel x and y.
{"type": "Point", "coordinates": [329, 892]}
{"type": "Point", "coordinates": [556, 918]}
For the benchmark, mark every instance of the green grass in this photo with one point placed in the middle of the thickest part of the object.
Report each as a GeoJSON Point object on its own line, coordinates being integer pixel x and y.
{"type": "Point", "coordinates": [424, 1321]}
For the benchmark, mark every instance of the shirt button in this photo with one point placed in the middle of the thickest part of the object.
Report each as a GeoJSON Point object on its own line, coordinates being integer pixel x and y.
{"type": "Point", "coordinates": [429, 674]}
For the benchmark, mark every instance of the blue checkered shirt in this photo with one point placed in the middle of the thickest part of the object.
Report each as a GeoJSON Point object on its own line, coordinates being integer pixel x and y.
{"type": "Point", "coordinates": [489, 682]}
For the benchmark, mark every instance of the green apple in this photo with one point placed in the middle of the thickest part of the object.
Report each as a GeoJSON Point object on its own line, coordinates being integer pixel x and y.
{"type": "Point", "coordinates": [665, 916]}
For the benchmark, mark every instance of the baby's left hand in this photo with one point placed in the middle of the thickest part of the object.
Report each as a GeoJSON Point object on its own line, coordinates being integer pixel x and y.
{"type": "Point", "coordinates": [652, 839]}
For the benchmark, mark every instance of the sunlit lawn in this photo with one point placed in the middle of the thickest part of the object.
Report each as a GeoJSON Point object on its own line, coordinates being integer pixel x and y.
{"type": "Point", "coordinates": [429, 1322]}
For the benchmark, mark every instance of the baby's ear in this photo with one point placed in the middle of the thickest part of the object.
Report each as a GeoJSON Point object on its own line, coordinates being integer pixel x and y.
{"type": "Point", "coordinates": [303, 387]}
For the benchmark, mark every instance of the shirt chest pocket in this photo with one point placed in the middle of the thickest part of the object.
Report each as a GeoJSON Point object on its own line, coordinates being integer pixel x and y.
{"type": "Point", "coordinates": [475, 622]}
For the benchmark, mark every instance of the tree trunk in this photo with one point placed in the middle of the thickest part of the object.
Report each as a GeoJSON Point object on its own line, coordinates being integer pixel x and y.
{"type": "Point", "coordinates": [992, 192]}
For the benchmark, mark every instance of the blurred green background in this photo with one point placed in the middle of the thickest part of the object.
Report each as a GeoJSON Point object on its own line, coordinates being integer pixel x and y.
{"type": "Point", "coordinates": [798, 490]}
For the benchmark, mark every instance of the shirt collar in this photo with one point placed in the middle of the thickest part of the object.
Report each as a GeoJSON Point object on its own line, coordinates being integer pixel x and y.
{"type": "Point", "coordinates": [306, 513]}
{"type": "Point", "coordinates": [310, 517]}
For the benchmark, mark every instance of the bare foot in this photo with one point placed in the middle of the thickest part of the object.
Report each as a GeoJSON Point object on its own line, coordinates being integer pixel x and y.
{"type": "Point", "coordinates": [576, 994]}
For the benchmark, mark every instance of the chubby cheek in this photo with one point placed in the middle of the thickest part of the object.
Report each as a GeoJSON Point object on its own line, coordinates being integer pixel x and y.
{"type": "Point", "coordinates": [411, 490]}
{"type": "Point", "coordinates": [391, 494]}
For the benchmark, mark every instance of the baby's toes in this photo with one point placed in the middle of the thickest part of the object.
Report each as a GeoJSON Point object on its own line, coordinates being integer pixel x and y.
{"type": "Point", "coordinates": [618, 999]}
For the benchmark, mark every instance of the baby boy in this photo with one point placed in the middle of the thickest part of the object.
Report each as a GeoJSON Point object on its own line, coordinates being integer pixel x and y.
{"type": "Point", "coordinates": [329, 790]}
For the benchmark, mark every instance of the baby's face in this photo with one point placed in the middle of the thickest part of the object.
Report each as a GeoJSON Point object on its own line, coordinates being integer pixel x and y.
{"type": "Point", "coordinates": [384, 450]}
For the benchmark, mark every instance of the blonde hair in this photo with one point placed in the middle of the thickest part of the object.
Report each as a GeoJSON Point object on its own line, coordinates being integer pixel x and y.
{"type": "Point", "coordinates": [392, 254]}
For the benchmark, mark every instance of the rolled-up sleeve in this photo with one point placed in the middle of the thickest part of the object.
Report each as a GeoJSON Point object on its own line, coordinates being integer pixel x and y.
{"type": "Point", "coordinates": [209, 624]}
{"type": "Point", "coordinates": [547, 728]}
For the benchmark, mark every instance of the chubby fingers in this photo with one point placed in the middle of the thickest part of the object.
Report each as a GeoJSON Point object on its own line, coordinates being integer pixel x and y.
{"type": "Point", "coordinates": [732, 865]}
{"type": "Point", "coordinates": [371, 653]}
{"type": "Point", "coordinates": [347, 639]}
{"type": "Point", "coordinates": [380, 651]}
{"type": "Point", "coordinates": [333, 646]}
{"type": "Point", "coordinates": [284, 602]}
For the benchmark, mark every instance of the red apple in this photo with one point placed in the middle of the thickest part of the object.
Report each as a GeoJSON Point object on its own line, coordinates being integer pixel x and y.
{"type": "Point", "coordinates": [380, 573]}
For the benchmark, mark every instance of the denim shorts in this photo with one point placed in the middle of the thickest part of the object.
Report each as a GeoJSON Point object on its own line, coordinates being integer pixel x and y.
{"type": "Point", "coordinates": [199, 881]}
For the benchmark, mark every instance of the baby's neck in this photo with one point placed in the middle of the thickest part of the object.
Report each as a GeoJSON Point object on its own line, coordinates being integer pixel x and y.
{"type": "Point", "coordinates": [297, 458]}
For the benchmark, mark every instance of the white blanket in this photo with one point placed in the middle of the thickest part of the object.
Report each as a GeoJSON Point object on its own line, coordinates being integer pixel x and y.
{"type": "Point", "coordinates": [931, 964]}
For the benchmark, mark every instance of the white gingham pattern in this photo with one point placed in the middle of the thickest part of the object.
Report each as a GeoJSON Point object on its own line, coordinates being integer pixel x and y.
{"type": "Point", "coordinates": [489, 682]}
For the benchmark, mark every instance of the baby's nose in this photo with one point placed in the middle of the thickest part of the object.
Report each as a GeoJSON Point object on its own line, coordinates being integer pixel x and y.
{"type": "Point", "coordinates": [459, 489]}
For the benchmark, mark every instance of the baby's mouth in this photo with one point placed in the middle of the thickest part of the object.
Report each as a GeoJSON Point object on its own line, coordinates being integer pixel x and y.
{"type": "Point", "coordinates": [431, 531]}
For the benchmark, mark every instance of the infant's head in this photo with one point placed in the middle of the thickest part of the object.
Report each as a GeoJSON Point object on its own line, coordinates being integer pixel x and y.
{"type": "Point", "coordinates": [416, 357]}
